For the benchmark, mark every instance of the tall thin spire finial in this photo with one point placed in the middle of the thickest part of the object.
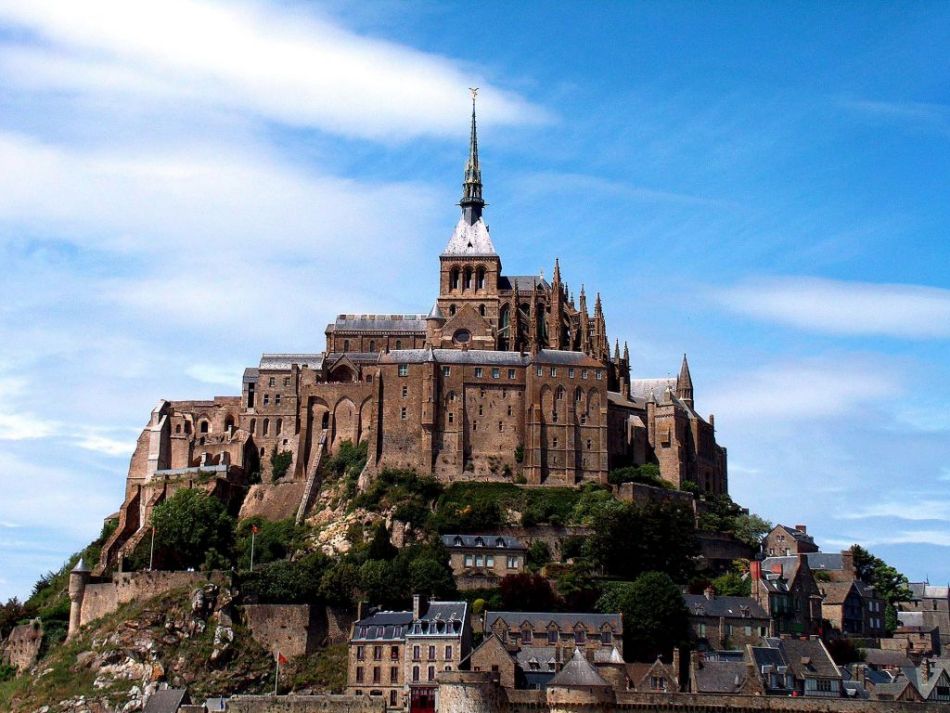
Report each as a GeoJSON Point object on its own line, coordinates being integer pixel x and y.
{"type": "Point", "coordinates": [472, 202]}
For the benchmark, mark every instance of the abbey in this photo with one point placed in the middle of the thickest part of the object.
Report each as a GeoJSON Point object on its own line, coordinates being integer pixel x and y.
{"type": "Point", "coordinates": [506, 378]}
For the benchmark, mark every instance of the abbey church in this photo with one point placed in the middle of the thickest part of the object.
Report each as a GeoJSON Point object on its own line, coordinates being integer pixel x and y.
{"type": "Point", "coordinates": [505, 378]}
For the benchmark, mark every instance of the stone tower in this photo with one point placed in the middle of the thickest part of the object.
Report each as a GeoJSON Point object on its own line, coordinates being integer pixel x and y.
{"type": "Point", "coordinates": [78, 579]}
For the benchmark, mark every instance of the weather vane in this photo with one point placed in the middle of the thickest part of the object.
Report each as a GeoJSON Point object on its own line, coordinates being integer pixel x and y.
{"type": "Point", "coordinates": [474, 91]}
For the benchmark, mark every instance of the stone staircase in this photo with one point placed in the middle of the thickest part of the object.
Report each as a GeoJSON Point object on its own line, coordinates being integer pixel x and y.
{"type": "Point", "coordinates": [313, 478]}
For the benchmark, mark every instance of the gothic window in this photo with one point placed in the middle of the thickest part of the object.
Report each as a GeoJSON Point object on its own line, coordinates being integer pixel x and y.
{"type": "Point", "coordinates": [468, 278]}
{"type": "Point", "coordinates": [253, 426]}
{"type": "Point", "coordinates": [280, 425]}
{"type": "Point", "coordinates": [178, 428]}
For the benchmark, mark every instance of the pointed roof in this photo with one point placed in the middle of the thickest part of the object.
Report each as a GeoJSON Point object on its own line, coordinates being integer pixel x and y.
{"type": "Point", "coordinates": [684, 380]}
{"type": "Point", "coordinates": [556, 278]}
{"type": "Point", "coordinates": [436, 312]}
{"type": "Point", "coordinates": [81, 566]}
{"type": "Point", "coordinates": [470, 239]}
{"type": "Point", "coordinates": [578, 673]}
{"type": "Point", "coordinates": [472, 202]}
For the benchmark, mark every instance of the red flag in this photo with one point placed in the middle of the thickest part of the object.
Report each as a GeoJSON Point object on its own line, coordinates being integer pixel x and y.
{"type": "Point", "coordinates": [281, 659]}
{"type": "Point", "coordinates": [255, 529]}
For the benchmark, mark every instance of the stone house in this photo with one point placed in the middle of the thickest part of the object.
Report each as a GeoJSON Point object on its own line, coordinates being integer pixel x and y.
{"type": "Point", "coordinates": [480, 561]}
{"type": "Point", "coordinates": [786, 589]}
{"type": "Point", "coordinates": [785, 541]}
{"type": "Point", "coordinates": [725, 622]}
{"type": "Point", "coordinates": [396, 656]}
{"type": "Point", "coordinates": [559, 630]}
{"type": "Point", "coordinates": [656, 677]}
{"type": "Point", "coordinates": [832, 566]}
{"type": "Point", "coordinates": [797, 666]}
{"type": "Point", "coordinates": [852, 608]}
{"type": "Point", "coordinates": [914, 637]}
{"type": "Point", "coordinates": [931, 679]}
{"type": "Point", "coordinates": [724, 672]}
{"type": "Point", "coordinates": [933, 604]}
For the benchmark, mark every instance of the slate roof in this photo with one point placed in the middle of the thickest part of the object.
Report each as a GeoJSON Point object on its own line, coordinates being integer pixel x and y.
{"type": "Point", "coordinates": [729, 607]}
{"type": "Point", "coordinates": [825, 560]}
{"type": "Point", "coordinates": [806, 658]}
{"type": "Point", "coordinates": [578, 673]}
{"type": "Point", "coordinates": [642, 388]}
{"type": "Point", "coordinates": [487, 542]}
{"type": "Point", "coordinates": [883, 657]}
{"type": "Point", "coordinates": [835, 592]}
{"type": "Point", "coordinates": [720, 676]}
{"type": "Point", "coordinates": [440, 619]}
{"type": "Point", "coordinates": [388, 323]}
{"type": "Point", "coordinates": [615, 397]}
{"type": "Point", "coordinates": [537, 658]}
{"type": "Point", "coordinates": [167, 700]}
{"type": "Point", "coordinates": [922, 590]}
{"type": "Point", "coordinates": [926, 687]}
{"type": "Point", "coordinates": [767, 656]}
{"type": "Point", "coordinates": [470, 239]}
{"type": "Point", "coordinates": [798, 534]}
{"type": "Point", "coordinates": [911, 618]}
{"type": "Point", "coordinates": [565, 621]}
{"type": "Point", "coordinates": [382, 626]}
{"type": "Point", "coordinates": [284, 361]}
{"type": "Point", "coordinates": [250, 375]}
{"type": "Point", "coordinates": [486, 357]}
{"type": "Point", "coordinates": [525, 283]}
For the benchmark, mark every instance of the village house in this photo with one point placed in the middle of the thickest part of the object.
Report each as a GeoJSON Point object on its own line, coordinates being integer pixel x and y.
{"type": "Point", "coordinates": [852, 608]}
{"type": "Point", "coordinates": [786, 589]}
{"type": "Point", "coordinates": [797, 666]}
{"type": "Point", "coordinates": [784, 540]}
{"type": "Point", "coordinates": [725, 622]}
{"type": "Point", "coordinates": [480, 561]}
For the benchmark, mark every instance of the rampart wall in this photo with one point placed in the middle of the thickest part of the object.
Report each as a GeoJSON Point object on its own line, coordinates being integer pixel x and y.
{"type": "Point", "coordinates": [306, 704]}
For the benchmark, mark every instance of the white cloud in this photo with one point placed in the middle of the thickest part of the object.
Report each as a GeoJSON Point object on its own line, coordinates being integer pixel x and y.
{"type": "Point", "coordinates": [845, 308]}
{"type": "Point", "coordinates": [940, 538]}
{"type": "Point", "coordinates": [217, 374]}
{"type": "Point", "coordinates": [914, 506]}
{"type": "Point", "coordinates": [16, 422]}
{"type": "Point", "coordinates": [276, 62]}
{"type": "Point", "coordinates": [806, 389]}
{"type": "Point", "coordinates": [106, 445]}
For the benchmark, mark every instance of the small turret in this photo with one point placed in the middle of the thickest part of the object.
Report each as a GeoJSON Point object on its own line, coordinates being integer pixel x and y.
{"type": "Point", "coordinates": [78, 579]}
{"type": "Point", "coordinates": [684, 384]}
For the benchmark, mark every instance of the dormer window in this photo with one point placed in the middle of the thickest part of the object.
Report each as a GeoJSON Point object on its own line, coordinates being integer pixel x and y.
{"type": "Point", "coordinates": [458, 542]}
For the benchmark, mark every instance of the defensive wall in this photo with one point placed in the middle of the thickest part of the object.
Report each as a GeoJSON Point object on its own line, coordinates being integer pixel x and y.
{"type": "Point", "coordinates": [306, 704]}
{"type": "Point", "coordinates": [297, 629]}
{"type": "Point", "coordinates": [22, 647]}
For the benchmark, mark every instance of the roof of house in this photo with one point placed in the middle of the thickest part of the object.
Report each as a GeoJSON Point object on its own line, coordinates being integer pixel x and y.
{"type": "Point", "coordinates": [807, 658]}
{"type": "Point", "coordinates": [835, 592]}
{"type": "Point", "coordinates": [578, 673]}
{"type": "Point", "coordinates": [382, 626]}
{"type": "Point", "coordinates": [796, 534]}
{"type": "Point", "coordinates": [563, 620]}
{"type": "Point", "coordinates": [767, 656]}
{"type": "Point", "coordinates": [736, 607]}
{"type": "Point", "coordinates": [643, 388]}
{"type": "Point", "coordinates": [939, 670]}
{"type": "Point", "coordinates": [825, 560]}
{"type": "Point", "coordinates": [285, 361]}
{"type": "Point", "coordinates": [922, 590]}
{"type": "Point", "coordinates": [524, 283]}
{"type": "Point", "coordinates": [387, 323]}
{"type": "Point", "coordinates": [167, 700]}
{"type": "Point", "coordinates": [884, 657]}
{"type": "Point", "coordinates": [487, 541]}
{"type": "Point", "coordinates": [537, 658]}
{"type": "Point", "coordinates": [911, 618]}
{"type": "Point", "coordinates": [440, 619]}
{"type": "Point", "coordinates": [720, 676]}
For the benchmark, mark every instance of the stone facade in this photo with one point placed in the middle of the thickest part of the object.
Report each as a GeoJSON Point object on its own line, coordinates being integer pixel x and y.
{"type": "Point", "coordinates": [932, 602]}
{"type": "Point", "coordinates": [507, 377]}
{"type": "Point", "coordinates": [479, 561]}
{"type": "Point", "coordinates": [786, 541]}
{"type": "Point", "coordinates": [725, 622]}
{"type": "Point", "coordinates": [786, 589]}
{"type": "Point", "coordinates": [21, 649]}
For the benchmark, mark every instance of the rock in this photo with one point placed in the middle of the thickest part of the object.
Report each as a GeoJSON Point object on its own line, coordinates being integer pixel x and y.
{"type": "Point", "coordinates": [85, 659]}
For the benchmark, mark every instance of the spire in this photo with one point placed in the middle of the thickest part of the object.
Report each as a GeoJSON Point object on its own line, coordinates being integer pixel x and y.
{"type": "Point", "coordinates": [597, 306]}
{"type": "Point", "coordinates": [626, 354]}
{"type": "Point", "coordinates": [684, 383]}
{"type": "Point", "coordinates": [472, 202]}
{"type": "Point", "coordinates": [616, 350]}
{"type": "Point", "coordinates": [556, 279]}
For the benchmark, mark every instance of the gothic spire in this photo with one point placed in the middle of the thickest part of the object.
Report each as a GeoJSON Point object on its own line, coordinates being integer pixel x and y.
{"type": "Point", "coordinates": [684, 383]}
{"type": "Point", "coordinates": [626, 354]}
{"type": "Point", "coordinates": [556, 279]}
{"type": "Point", "coordinates": [472, 202]}
{"type": "Point", "coordinates": [617, 350]}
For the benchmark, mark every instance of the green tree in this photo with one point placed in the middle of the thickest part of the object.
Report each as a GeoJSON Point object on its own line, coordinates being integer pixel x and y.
{"type": "Point", "coordinates": [381, 583]}
{"type": "Point", "coordinates": [274, 540]}
{"type": "Point", "coordinates": [732, 584]}
{"type": "Point", "coordinates": [279, 463]}
{"type": "Point", "coordinates": [430, 576]}
{"type": "Point", "coordinates": [538, 555]}
{"type": "Point", "coordinates": [187, 525]}
{"type": "Point", "coordinates": [380, 548]}
{"type": "Point", "coordinates": [655, 619]}
{"type": "Point", "coordinates": [527, 592]}
{"type": "Point", "coordinates": [750, 528]}
{"type": "Point", "coordinates": [889, 584]}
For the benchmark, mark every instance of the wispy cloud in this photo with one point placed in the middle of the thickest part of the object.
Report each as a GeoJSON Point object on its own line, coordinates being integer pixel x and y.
{"type": "Point", "coordinates": [923, 114]}
{"type": "Point", "coordinates": [807, 389]}
{"type": "Point", "coordinates": [845, 308]}
{"type": "Point", "coordinates": [275, 62]}
{"type": "Point", "coordinates": [940, 538]}
{"type": "Point", "coordinates": [217, 374]}
{"type": "Point", "coordinates": [913, 506]}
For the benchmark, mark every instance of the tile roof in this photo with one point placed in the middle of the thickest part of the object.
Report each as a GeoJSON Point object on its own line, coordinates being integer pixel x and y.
{"type": "Point", "coordinates": [486, 541]}
{"type": "Point", "coordinates": [736, 607]}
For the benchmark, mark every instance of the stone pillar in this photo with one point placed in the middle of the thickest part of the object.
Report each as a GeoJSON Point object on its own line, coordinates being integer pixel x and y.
{"type": "Point", "coordinates": [468, 692]}
{"type": "Point", "coordinates": [78, 579]}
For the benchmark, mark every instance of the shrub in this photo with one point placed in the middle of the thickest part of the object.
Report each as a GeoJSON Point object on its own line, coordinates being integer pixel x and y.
{"type": "Point", "coordinates": [655, 618]}
{"type": "Point", "coordinates": [519, 454]}
{"type": "Point", "coordinates": [527, 592]}
{"type": "Point", "coordinates": [187, 525]}
{"type": "Point", "coordinates": [647, 474]}
{"type": "Point", "coordinates": [539, 554]}
{"type": "Point", "coordinates": [286, 581]}
{"type": "Point", "coordinates": [349, 459]}
{"type": "Point", "coordinates": [275, 540]}
{"type": "Point", "coordinates": [279, 463]}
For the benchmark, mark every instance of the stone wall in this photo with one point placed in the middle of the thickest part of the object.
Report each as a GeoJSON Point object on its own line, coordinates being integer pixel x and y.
{"type": "Point", "coordinates": [102, 598]}
{"type": "Point", "coordinates": [281, 627]}
{"type": "Point", "coordinates": [272, 501]}
{"type": "Point", "coordinates": [641, 494]}
{"type": "Point", "coordinates": [22, 647]}
{"type": "Point", "coordinates": [306, 704]}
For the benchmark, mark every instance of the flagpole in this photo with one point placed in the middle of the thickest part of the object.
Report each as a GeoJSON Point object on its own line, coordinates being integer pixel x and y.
{"type": "Point", "coordinates": [253, 533]}
{"type": "Point", "coordinates": [276, 671]}
{"type": "Point", "coordinates": [151, 552]}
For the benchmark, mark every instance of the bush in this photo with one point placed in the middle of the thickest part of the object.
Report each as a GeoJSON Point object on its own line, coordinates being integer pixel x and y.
{"type": "Point", "coordinates": [646, 474]}
{"type": "Point", "coordinates": [187, 525]}
{"type": "Point", "coordinates": [539, 554]}
{"type": "Point", "coordinates": [349, 459]}
{"type": "Point", "coordinates": [275, 540]}
{"type": "Point", "coordinates": [287, 582]}
{"type": "Point", "coordinates": [527, 592]}
{"type": "Point", "coordinates": [655, 618]}
{"type": "Point", "coordinates": [279, 463]}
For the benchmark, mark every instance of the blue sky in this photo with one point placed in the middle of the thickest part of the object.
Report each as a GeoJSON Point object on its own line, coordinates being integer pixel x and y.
{"type": "Point", "coordinates": [185, 185]}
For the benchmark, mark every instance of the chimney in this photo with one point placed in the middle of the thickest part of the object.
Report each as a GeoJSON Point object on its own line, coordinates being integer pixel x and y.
{"type": "Point", "coordinates": [709, 593]}
{"type": "Point", "coordinates": [777, 568]}
{"type": "Point", "coordinates": [755, 570]}
{"type": "Point", "coordinates": [847, 563]}
{"type": "Point", "coordinates": [926, 669]}
{"type": "Point", "coordinates": [802, 529]}
{"type": "Point", "coordinates": [417, 604]}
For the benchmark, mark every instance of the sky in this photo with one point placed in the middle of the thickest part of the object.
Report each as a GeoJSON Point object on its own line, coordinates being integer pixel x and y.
{"type": "Point", "coordinates": [185, 185]}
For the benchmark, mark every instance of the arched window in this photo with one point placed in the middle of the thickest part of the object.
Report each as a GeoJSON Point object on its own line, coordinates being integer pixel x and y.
{"type": "Point", "coordinates": [346, 345]}
{"type": "Point", "coordinates": [204, 427]}
{"type": "Point", "coordinates": [280, 426]}
{"type": "Point", "coordinates": [451, 309]}
{"type": "Point", "coordinates": [480, 279]}
{"type": "Point", "coordinates": [178, 428]}
{"type": "Point", "coordinates": [372, 345]}
{"type": "Point", "coordinates": [253, 426]}
{"type": "Point", "coordinates": [481, 310]}
{"type": "Point", "coordinates": [454, 279]}
{"type": "Point", "coordinates": [229, 424]}
{"type": "Point", "coordinates": [266, 426]}
{"type": "Point", "coordinates": [468, 278]}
